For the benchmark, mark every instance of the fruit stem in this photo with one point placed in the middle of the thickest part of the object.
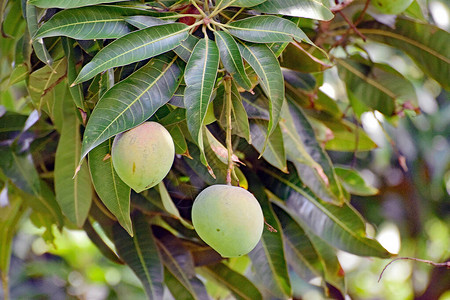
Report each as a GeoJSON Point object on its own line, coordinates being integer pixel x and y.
{"type": "Point", "coordinates": [5, 285]}
{"type": "Point", "coordinates": [227, 82]}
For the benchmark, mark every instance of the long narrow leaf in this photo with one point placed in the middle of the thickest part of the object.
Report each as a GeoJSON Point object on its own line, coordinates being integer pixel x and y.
{"type": "Point", "coordinates": [231, 58]}
{"type": "Point", "coordinates": [132, 101]}
{"type": "Point", "coordinates": [113, 192]}
{"type": "Point", "coordinates": [200, 78]}
{"type": "Point", "coordinates": [297, 8]}
{"type": "Point", "coordinates": [68, 4]}
{"type": "Point", "coordinates": [134, 47]}
{"type": "Point", "coordinates": [141, 254]}
{"type": "Point", "coordinates": [266, 66]}
{"type": "Point", "coordinates": [86, 23]}
{"type": "Point", "coordinates": [266, 29]}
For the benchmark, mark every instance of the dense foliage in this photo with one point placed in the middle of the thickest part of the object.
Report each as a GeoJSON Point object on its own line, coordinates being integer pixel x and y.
{"type": "Point", "coordinates": [240, 85]}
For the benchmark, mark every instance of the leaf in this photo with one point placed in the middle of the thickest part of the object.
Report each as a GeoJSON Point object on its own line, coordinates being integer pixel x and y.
{"type": "Point", "coordinates": [313, 9]}
{"type": "Point", "coordinates": [424, 43]}
{"type": "Point", "coordinates": [43, 80]}
{"type": "Point", "coordinates": [184, 50]}
{"type": "Point", "coordinates": [239, 118]}
{"type": "Point", "coordinates": [74, 195]}
{"type": "Point", "coordinates": [19, 168]}
{"type": "Point", "coordinates": [170, 207]}
{"type": "Point", "coordinates": [200, 77]}
{"type": "Point", "coordinates": [141, 254]}
{"type": "Point", "coordinates": [179, 140]}
{"type": "Point", "coordinates": [9, 218]}
{"type": "Point", "coordinates": [341, 227]}
{"type": "Point", "coordinates": [268, 258]}
{"type": "Point", "coordinates": [132, 101]}
{"type": "Point", "coordinates": [86, 23]}
{"type": "Point", "coordinates": [134, 47]}
{"type": "Point", "coordinates": [266, 29]}
{"type": "Point", "coordinates": [231, 58]}
{"type": "Point", "coordinates": [179, 290]}
{"type": "Point", "coordinates": [68, 4]}
{"type": "Point", "coordinates": [38, 45]}
{"type": "Point", "coordinates": [295, 57]}
{"type": "Point", "coordinates": [180, 269]}
{"type": "Point", "coordinates": [19, 73]}
{"type": "Point", "coordinates": [100, 243]}
{"type": "Point", "coordinates": [239, 285]}
{"type": "Point", "coordinates": [347, 137]}
{"type": "Point", "coordinates": [378, 86]}
{"type": "Point", "coordinates": [354, 183]}
{"type": "Point", "coordinates": [75, 91]}
{"type": "Point", "coordinates": [113, 192]}
{"type": "Point", "coordinates": [320, 178]}
{"type": "Point", "coordinates": [142, 22]}
{"type": "Point", "coordinates": [266, 66]}
{"type": "Point", "coordinates": [274, 153]}
{"type": "Point", "coordinates": [244, 3]}
{"type": "Point", "coordinates": [306, 250]}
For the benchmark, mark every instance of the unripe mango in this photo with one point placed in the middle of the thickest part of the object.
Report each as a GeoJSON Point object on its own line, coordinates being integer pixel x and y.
{"type": "Point", "coordinates": [143, 156]}
{"type": "Point", "coordinates": [228, 218]}
{"type": "Point", "coordinates": [391, 7]}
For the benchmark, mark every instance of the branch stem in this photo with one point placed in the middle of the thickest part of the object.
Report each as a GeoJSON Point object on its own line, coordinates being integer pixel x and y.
{"type": "Point", "coordinates": [227, 83]}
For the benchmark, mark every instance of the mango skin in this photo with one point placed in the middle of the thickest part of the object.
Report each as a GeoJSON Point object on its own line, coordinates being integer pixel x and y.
{"type": "Point", "coordinates": [143, 156]}
{"type": "Point", "coordinates": [391, 7]}
{"type": "Point", "coordinates": [229, 219]}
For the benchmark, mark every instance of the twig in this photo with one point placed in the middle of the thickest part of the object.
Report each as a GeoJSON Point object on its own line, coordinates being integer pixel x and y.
{"type": "Point", "coordinates": [228, 140]}
{"type": "Point", "coordinates": [349, 22]}
{"type": "Point", "coordinates": [438, 265]}
{"type": "Point", "coordinates": [5, 285]}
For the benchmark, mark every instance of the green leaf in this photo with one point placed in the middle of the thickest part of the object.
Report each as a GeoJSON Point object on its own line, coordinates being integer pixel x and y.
{"type": "Point", "coordinates": [268, 258]}
{"type": "Point", "coordinates": [86, 23]}
{"type": "Point", "coordinates": [347, 137]}
{"type": "Point", "coordinates": [184, 50]}
{"type": "Point", "coordinates": [113, 192]}
{"type": "Point", "coordinates": [100, 243]}
{"type": "Point", "coordinates": [75, 91]}
{"type": "Point", "coordinates": [341, 227]}
{"type": "Point", "coordinates": [239, 285]}
{"type": "Point", "coordinates": [300, 251]}
{"type": "Point", "coordinates": [180, 269]}
{"type": "Point", "coordinates": [312, 9]}
{"type": "Point", "coordinates": [266, 66]}
{"type": "Point", "coordinates": [132, 101]}
{"type": "Point", "coordinates": [200, 77]}
{"type": "Point", "coordinates": [38, 45]}
{"type": "Point", "coordinates": [354, 183]}
{"type": "Point", "coordinates": [19, 73]}
{"type": "Point", "coordinates": [134, 47]}
{"type": "Point", "coordinates": [239, 118]}
{"type": "Point", "coordinates": [9, 218]}
{"type": "Point", "coordinates": [19, 168]}
{"type": "Point", "coordinates": [320, 178]}
{"type": "Point", "coordinates": [179, 140]}
{"type": "Point", "coordinates": [296, 57]}
{"type": "Point", "coordinates": [142, 22]}
{"type": "Point", "coordinates": [231, 58]}
{"type": "Point", "coordinates": [266, 29]}
{"type": "Point", "coordinates": [170, 207]}
{"type": "Point", "coordinates": [274, 153]}
{"type": "Point", "coordinates": [68, 4]}
{"type": "Point", "coordinates": [426, 44]}
{"type": "Point", "coordinates": [243, 3]}
{"type": "Point", "coordinates": [141, 254]}
{"type": "Point", "coordinates": [43, 80]}
{"type": "Point", "coordinates": [378, 86]}
{"type": "Point", "coordinates": [74, 195]}
{"type": "Point", "coordinates": [305, 250]}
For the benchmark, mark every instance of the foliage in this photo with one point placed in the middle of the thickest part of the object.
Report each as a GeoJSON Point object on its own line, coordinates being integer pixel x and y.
{"type": "Point", "coordinates": [239, 84]}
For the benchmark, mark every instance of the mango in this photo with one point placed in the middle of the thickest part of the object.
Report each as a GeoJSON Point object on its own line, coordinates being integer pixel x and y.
{"type": "Point", "coordinates": [391, 7]}
{"type": "Point", "coordinates": [143, 156]}
{"type": "Point", "coordinates": [228, 218]}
